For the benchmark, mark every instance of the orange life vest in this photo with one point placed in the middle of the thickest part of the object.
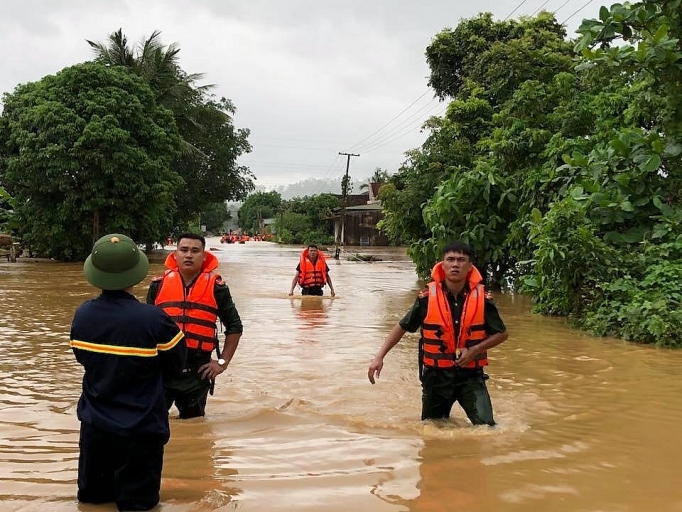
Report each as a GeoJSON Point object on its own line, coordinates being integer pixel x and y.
{"type": "Point", "coordinates": [196, 312]}
{"type": "Point", "coordinates": [440, 349]}
{"type": "Point", "coordinates": [312, 274]}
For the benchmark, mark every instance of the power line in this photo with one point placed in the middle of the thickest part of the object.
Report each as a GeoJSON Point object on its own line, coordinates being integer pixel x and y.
{"type": "Point", "coordinates": [515, 9]}
{"type": "Point", "coordinates": [540, 8]}
{"type": "Point", "coordinates": [324, 178]}
{"type": "Point", "coordinates": [560, 7]}
{"type": "Point", "coordinates": [282, 165]}
{"type": "Point", "coordinates": [259, 144]}
{"type": "Point", "coordinates": [410, 130]}
{"type": "Point", "coordinates": [393, 119]}
{"type": "Point", "coordinates": [576, 12]}
{"type": "Point", "coordinates": [400, 126]}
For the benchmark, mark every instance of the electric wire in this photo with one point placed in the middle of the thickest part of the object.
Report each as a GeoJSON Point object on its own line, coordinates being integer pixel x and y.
{"type": "Point", "coordinates": [540, 8]}
{"type": "Point", "coordinates": [560, 7]}
{"type": "Point", "coordinates": [389, 122]}
{"type": "Point", "coordinates": [576, 12]}
{"type": "Point", "coordinates": [515, 9]}
{"type": "Point", "coordinates": [407, 132]}
{"type": "Point", "coordinates": [400, 126]}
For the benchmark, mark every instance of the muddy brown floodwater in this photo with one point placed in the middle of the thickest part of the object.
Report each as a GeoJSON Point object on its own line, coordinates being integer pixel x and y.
{"type": "Point", "coordinates": [585, 424]}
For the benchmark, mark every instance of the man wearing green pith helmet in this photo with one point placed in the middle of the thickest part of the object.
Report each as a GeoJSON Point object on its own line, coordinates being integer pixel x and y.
{"type": "Point", "coordinates": [127, 350]}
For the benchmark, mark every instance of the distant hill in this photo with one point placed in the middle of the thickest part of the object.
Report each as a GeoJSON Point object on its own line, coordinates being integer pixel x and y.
{"type": "Point", "coordinates": [310, 187]}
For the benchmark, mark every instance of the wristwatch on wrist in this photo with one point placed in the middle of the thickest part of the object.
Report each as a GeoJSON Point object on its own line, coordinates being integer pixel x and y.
{"type": "Point", "coordinates": [222, 362]}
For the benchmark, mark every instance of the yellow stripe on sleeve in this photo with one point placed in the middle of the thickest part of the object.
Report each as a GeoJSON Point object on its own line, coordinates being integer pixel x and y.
{"type": "Point", "coordinates": [167, 346]}
{"type": "Point", "coordinates": [114, 349]}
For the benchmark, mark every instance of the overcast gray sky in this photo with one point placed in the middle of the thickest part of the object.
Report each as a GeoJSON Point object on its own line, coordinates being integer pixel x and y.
{"type": "Point", "coordinates": [309, 78]}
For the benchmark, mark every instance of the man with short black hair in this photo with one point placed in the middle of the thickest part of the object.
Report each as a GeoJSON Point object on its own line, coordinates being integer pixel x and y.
{"type": "Point", "coordinates": [458, 326]}
{"type": "Point", "coordinates": [127, 350]}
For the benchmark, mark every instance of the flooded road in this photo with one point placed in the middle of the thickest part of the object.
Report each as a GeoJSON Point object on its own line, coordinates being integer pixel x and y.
{"type": "Point", "coordinates": [585, 424]}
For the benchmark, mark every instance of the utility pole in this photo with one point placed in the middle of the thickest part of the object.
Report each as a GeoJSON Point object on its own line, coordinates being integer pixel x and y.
{"type": "Point", "coordinates": [344, 189]}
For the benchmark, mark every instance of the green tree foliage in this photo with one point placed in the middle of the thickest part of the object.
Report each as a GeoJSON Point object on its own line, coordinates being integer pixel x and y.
{"type": "Point", "coordinates": [214, 215]}
{"type": "Point", "coordinates": [294, 228]}
{"type": "Point", "coordinates": [85, 152]}
{"type": "Point", "coordinates": [559, 162]}
{"type": "Point", "coordinates": [346, 185]}
{"type": "Point", "coordinates": [8, 204]}
{"type": "Point", "coordinates": [482, 52]}
{"type": "Point", "coordinates": [210, 144]}
{"type": "Point", "coordinates": [407, 191]}
{"type": "Point", "coordinates": [316, 207]}
{"type": "Point", "coordinates": [468, 178]}
{"type": "Point", "coordinates": [213, 176]}
{"type": "Point", "coordinates": [260, 205]}
{"type": "Point", "coordinates": [627, 180]}
{"type": "Point", "coordinates": [305, 220]}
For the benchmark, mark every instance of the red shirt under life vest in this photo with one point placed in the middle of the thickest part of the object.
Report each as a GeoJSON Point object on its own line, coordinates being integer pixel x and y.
{"type": "Point", "coordinates": [312, 274]}
{"type": "Point", "coordinates": [440, 348]}
{"type": "Point", "coordinates": [194, 312]}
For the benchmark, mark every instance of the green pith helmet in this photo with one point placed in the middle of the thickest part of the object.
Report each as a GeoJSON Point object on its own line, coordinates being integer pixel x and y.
{"type": "Point", "coordinates": [116, 263]}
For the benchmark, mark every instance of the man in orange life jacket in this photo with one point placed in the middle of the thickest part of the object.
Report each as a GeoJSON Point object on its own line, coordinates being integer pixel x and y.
{"type": "Point", "coordinates": [128, 351]}
{"type": "Point", "coordinates": [458, 326]}
{"type": "Point", "coordinates": [195, 297]}
{"type": "Point", "coordinates": [312, 273]}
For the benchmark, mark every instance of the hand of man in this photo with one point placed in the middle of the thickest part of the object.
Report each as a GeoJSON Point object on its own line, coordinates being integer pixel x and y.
{"type": "Point", "coordinates": [333, 293]}
{"type": "Point", "coordinates": [465, 357]}
{"type": "Point", "coordinates": [210, 370]}
{"type": "Point", "coordinates": [375, 368]}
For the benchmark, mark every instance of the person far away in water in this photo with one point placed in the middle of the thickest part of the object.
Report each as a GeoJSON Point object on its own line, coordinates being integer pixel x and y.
{"type": "Point", "coordinates": [128, 350]}
{"type": "Point", "coordinates": [312, 273]}
{"type": "Point", "coordinates": [458, 326]}
{"type": "Point", "coordinates": [194, 295]}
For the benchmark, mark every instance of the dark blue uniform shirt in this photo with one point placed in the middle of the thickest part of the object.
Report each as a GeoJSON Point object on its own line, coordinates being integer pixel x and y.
{"type": "Point", "coordinates": [127, 349]}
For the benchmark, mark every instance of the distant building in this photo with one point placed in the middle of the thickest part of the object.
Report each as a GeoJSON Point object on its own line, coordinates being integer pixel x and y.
{"type": "Point", "coordinates": [358, 225]}
{"type": "Point", "coordinates": [269, 226]}
{"type": "Point", "coordinates": [354, 199]}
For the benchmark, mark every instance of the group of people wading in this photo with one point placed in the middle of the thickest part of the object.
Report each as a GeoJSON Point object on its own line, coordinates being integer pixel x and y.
{"type": "Point", "coordinates": [140, 359]}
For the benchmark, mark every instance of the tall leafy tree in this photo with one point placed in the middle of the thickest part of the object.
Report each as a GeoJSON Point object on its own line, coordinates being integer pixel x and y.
{"type": "Point", "coordinates": [306, 219]}
{"type": "Point", "coordinates": [466, 180]}
{"type": "Point", "coordinates": [210, 143]}
{"type": "Point", "coordinates": [560, 163]}
{"type": "Point", "coordinates": [260, 205]}
{"type": "Point", "coordinates": [214, 215]}
{"type": "Point", "coordinates": [85, 152]}
{"type": "Point", "coordinates": [623, 207]}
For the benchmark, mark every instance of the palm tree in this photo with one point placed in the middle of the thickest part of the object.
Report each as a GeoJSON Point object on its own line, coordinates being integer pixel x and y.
{"type": "Point", "coordinates": [379, 176]}
{"type": "Point", "coordinates": [158, 65]}
{"type": "Point", "coordinates": [210, 144]}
